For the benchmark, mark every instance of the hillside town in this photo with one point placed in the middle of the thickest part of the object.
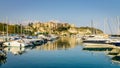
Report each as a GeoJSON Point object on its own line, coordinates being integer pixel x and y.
{"type": "Point", "coordinates": [50, 27]}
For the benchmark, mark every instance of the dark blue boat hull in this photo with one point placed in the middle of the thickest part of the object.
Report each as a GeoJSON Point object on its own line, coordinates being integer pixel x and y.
{"type": "Point", "coordinates": [116, 43]}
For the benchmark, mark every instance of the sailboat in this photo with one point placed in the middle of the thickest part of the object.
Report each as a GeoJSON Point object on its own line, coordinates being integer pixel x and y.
{"type": "Point", "coordinates": [116, 41]}
{"type": "Point", "coordinates": [95, 39]}
{"type": "Point", "coordinates": [18, 42]}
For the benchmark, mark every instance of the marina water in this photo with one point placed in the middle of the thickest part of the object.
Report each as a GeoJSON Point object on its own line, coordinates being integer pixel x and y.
{"type": "Point", "coordinates": [66, 52]}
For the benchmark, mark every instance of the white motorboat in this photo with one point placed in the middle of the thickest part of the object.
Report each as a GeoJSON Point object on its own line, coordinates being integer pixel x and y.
{"type": "Point", "coordinates": [20, 43]}
{"type": "Point", "coordinates": [96, 40]}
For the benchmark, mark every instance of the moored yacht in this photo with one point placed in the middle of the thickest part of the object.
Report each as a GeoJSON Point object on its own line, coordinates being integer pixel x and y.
{"type": "Point", "coordinates": [95, 40]}
{"type": "Point", "coordinates": [20, 43]}
{"type": "Point", "coordinates": [115, 42]}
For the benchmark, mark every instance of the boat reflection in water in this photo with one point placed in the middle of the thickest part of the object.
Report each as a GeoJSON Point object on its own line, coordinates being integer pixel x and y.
{"type": "Point", "coordinates": [111, 51]}
{"type": "Point", "coordinates": [115, 53]}
{"type": "Point", "coordinates": [60, 53]}
{"type": "Point", "coordinates": [2, 57]}
{"type": "Point", "coordinates": [99, 48]}
{"type": "Point", "coordinates": [61, 44]}
{"type": "Point", "coordinates": [15, 50]}
{"type": "Point", "coordinates": [116, 59]}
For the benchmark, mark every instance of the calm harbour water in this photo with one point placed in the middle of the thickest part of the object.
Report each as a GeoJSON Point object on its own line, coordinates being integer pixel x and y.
{"type": "Point", "coordinates": [63, 53]}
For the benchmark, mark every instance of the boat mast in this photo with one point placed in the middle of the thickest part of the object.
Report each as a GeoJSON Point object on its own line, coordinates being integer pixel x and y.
{"type": "Point", "coordinates": [14, 28]}
{"type": "Point", "coordinates": [7, 29]}
{"type": "Point", "coordinates": [109, 26]}
{"type": "Point", "coordinates": [105, 20]}
{"type": "Point", "coordinates": [92, 29]}
{"type": "Point", "coordinates": [3, 28]}
{"type": "Point", "coordinates": [95, 30]}
{"type": "Point", "coordinates": [17, 28]}
{"type": "Point", "coordinates": [21, 29]}
{"type": "Point", "coordinates": [3, 31]}
{"type": "Point", "coordinates": [118, 24]}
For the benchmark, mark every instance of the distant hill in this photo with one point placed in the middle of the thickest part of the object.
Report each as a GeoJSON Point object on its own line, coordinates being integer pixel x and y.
{"type": "Point", "coordinates": [62, 28]}
{"type": "Point", "coordinates": [89, 30]}
{"type": "Point", "coordinates": [49, 28]}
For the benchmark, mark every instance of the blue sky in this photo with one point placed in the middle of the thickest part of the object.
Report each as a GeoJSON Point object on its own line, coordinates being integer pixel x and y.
{"type": "Point", "coordinates": [78, 12]}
